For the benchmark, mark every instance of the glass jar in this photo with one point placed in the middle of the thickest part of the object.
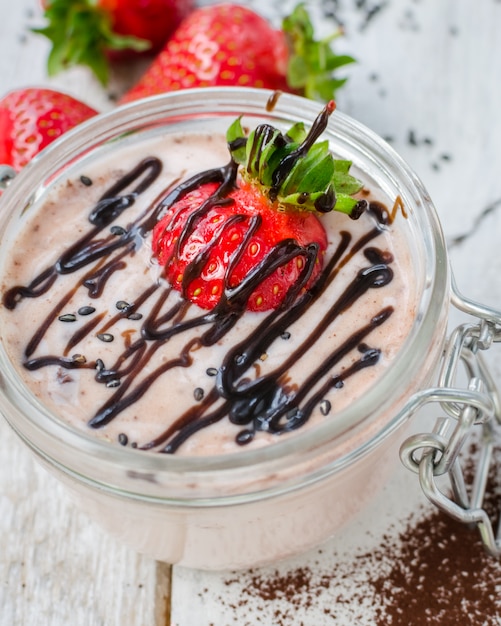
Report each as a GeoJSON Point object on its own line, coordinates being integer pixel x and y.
{"type": "Point", "coordinates": [258, 505]}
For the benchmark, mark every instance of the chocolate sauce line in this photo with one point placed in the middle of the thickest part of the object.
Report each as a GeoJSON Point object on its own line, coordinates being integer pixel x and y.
{"type": "Point", "coordinates": [279, 320]}
{"type": "Point", "coordinates": [248, 406]}
{"type": "Point", "coordinates": [127, 363]}
{"type": "Point", "coordinates": [237, 361]}
{"type": "Point", "coordinates": [120, 400]}
{"type": "Point", "coordinates": [370, 356]}
{"type": "Point", "coordinates": [196, 418]}
{"type": "Point", "coordinates": [195, 268]}
{"type": "Point", "coordinates": [37, 287]}
{"type": "Point", "coordinates": [82, 332]}
{"type": "Point", "coordinates": [192, 421]}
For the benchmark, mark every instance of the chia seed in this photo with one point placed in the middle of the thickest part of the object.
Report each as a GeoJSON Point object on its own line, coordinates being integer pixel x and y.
{"type": "Point", "coordinates": [285, 335]}
{"type": "Point", "coordinates": [106, 337]}
{"type": "Point", "coordinates": [123, 440]}
{"type": "Point", "coordinates": [117, 230]}
{"type": "Point", "coordinates": [325, 407]}
{"type": "Point", "coordinates": [99, 365]}
{"type": "Point", "coordinates": [111, 384]}
{"type": "Point", "coordinates": [122, 305]}
{"type": "Point", "coordinates": [198, 394]}
{"type": "Point", "coordinates": [85, 180]}
{"type": "Point", "coordinates": [86, 310]}
{"type": "Point", "coordinates": [412, 138]}
{"type": "Point", "coordinates": [67, 317]}
{"type": "Point", "coordinates": [211, 371]}
{"type": "Point", "coordinates": [79, 358]}
{"type": "Point", "coordinates": [244, 437]}
{"type": "Point", "coordinates": [134, 316]}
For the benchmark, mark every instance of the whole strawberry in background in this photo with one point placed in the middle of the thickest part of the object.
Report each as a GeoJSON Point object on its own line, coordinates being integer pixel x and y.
{"type": "Point", "coordinates": [89, 32]}
{"type": "Point", "coordinates": [227, 44]}
{"type": "Point", "coordinates": [30, 119]}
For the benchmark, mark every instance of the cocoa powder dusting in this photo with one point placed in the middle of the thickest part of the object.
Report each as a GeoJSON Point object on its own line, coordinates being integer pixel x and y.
{"type": "Point", "coordinates": [434, 571]}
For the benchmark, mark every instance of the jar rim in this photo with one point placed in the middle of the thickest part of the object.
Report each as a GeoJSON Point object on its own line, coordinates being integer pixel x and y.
{"type": "Point", "coordinates": [114, 124]}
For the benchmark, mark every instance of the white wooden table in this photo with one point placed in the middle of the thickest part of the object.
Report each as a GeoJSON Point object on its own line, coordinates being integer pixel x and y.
{"type": "Point", "coordinates": [429, 79]}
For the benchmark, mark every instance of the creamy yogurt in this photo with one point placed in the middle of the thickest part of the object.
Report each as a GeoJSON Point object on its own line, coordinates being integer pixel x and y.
{"type": "Point", "coordinates": [104, 342]}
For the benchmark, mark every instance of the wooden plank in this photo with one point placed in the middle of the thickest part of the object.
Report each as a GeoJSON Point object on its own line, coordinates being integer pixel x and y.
{"type": "Point", "coordinates": [56, 566]}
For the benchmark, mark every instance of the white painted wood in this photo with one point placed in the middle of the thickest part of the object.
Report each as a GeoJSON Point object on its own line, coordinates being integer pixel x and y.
{"type": "Point", "coordinates": [426, 70]}
{"type": "Point", "coordinates": [56, 566]}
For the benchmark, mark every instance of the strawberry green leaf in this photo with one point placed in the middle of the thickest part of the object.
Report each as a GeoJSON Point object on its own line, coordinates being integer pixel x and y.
{"type": "Point", "coordinates": [297, 132]}
{"type": "Point", "coordinates": [237, 141]}
{"type": "Point", "coordinates": [81, 33]}
{"type": "Point", "coordinates": [312, 62]}
{"type": "Point", "coordinates": [345, 204]}
{"type": "Point", "coordinates": [298, 173]}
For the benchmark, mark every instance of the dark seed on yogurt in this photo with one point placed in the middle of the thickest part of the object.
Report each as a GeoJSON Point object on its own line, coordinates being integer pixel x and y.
{"type": "Point", "coordinates": [198, 394]}
{"type": "Point", "coordinates": [325, 407]}
{"type": "Point", "coordinates": [211, 371]}
{"type": "Point", "coordinates": [244, 437]}
{"type": "Point", "coordinates": [106, 337]}
{"type": "Point", "coordinates": [85, 180]}
{"type": "Point", "coordinates": [86, 310]}
{"type": "Point", "coordinates": [99, 364]}
{"type": "Point", "coordinates": [123, 440]}
{"type": "Point", "coordinates": [67, 317]}
{"type": "Point", "coordinates": [134, 316]}
{"type": "Point", "coordinates": [79, 358]}
{"type": "Point", "coordinates": [286, 335]}
{"type": "Point", "coordinates": [111, 384]}
{"type": "Point", "coordinates": [117, 230]}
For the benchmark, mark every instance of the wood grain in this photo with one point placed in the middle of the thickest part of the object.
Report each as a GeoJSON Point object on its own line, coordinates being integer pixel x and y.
{"type": "Point", "coordinates": [428, 79]}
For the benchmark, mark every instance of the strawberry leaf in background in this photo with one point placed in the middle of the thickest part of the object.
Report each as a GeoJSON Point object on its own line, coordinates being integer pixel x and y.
{"type": "Point", "coordinates": [220, 44]}
{"type": "Point", "coordinates": [87, 32]}
{"type": "Point", "coordinates": [312, 63]}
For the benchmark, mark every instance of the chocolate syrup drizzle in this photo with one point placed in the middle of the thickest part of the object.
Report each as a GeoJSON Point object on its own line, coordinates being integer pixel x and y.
{"type": "Point", "coordinates": [253, 403]}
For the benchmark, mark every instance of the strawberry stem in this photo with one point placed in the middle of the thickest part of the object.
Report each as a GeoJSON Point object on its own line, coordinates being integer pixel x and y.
{"type": "Point", "coordinates": [312, 64]}
{"type": "Point", "coordinates": [81, 33]}
{"type": "Point", "coordinates": [295, 170]}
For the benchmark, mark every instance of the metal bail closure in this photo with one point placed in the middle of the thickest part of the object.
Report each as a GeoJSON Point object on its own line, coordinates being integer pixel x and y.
{"type": "Point", "coordinates": [472, 419]}
{"type": "Point", "coordinates": [7, 175]}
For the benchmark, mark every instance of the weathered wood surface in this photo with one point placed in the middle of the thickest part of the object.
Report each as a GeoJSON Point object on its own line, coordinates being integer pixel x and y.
{"type": "Point", "coordinates": [428, 79]}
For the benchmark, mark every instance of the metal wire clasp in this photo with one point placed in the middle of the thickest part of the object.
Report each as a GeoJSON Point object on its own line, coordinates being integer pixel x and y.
{"type": "Point", "coordinates": [471, 409]}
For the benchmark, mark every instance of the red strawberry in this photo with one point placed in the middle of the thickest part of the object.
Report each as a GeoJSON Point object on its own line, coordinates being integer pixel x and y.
{"type": "Point", "coordinates": [31, 119]}
{"type": "Point", "coordinates": [87, 32]}
{"type": "Point", "coordinates": [207, 287]}
{"type": "Point", "coordinates": [228, 44]}
{"type": "Point", "coordinates": [255, 235]}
